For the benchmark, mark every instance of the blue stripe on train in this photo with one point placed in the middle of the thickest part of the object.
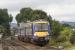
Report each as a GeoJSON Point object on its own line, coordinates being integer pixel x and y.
{"type": "Point", "coordinates": [49, 29]}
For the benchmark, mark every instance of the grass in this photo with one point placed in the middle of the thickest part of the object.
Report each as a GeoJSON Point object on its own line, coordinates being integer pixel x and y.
{"type": "Point", "coordinates": [72, 47]}
{"type": "Point", "coordinates": [66, 45]}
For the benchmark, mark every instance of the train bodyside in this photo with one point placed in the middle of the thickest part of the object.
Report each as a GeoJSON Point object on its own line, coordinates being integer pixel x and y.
{"type": "Point", "coordinates": [25, 33]}
{"type": "Point", "coordinates": [37, 32]}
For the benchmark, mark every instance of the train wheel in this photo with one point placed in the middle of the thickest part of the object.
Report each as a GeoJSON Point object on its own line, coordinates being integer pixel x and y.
{"type": "Point", "coordinates": [43, 43]}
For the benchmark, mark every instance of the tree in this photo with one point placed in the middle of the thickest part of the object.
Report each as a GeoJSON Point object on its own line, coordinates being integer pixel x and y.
{"type": "Point", "coordinates": [4, 21]}
{"type": "Point", "coordinates": [65, 34]}
{"type": "Point", "coordinates": [31, 15]}
{"type": "Point", "coordinates": [72, 38]}
{"type": "Point", "coordinates": [25, 14]}
{"type": "Point", "coordinates": [2, 29]}
{"type": "Point", "coordinates": [10, 18]}
{"type": "Point", "coordinates": [38, 14]}
{"type": "Point", "coordinates": [56, 28]}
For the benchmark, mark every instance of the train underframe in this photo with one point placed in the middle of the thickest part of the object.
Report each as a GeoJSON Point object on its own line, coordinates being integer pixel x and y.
{"type": "Point", "coordinates": [39, 41]}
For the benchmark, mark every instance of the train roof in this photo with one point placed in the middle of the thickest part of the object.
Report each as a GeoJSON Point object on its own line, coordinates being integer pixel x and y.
{"type": "Point", "coordinates": [40, 21]}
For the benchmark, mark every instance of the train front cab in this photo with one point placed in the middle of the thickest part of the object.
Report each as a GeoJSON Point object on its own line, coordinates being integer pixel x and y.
{"type": "Point", "coordinates": [41, 32]}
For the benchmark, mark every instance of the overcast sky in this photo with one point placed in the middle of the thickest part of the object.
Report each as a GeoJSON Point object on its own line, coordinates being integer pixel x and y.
{"type": "Point", "coordinates": [61, 10]}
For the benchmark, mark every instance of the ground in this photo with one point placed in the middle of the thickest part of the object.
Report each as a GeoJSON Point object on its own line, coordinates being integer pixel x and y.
{"type": "Point", "coordinates": [0, 47]}
{"type": "Point", "coordinates": [70, 48]}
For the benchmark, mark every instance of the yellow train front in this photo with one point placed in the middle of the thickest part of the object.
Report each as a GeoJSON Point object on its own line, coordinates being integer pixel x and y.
{"type": "Point", "coordinates": [40, 32]}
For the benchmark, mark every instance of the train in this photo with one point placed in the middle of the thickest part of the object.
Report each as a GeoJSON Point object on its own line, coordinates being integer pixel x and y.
{"type": "Point", "coordinates": [37, 32]}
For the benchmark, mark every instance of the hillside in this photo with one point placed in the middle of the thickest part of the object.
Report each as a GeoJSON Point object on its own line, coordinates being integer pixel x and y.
{"type": "Point", "coordinates": [70, 23]}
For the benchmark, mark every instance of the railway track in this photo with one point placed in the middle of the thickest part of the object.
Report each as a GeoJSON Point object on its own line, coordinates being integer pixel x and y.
{"type": "Point", "coordinates": [36, 47]}
{"type": "Point", "coordinates": [13, 45]}
{"type": "Point", "coordinates": [18, 45]}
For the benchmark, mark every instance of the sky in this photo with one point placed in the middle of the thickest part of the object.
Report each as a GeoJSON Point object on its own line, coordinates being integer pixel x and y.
{"type": "Point", "coordinates": [61, 10]}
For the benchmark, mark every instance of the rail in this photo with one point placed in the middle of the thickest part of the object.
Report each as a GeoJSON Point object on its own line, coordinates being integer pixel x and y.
{"type": "Point", "coordinates": [15, 44]}
{"type": "Point", "coordinates": [12, 45]}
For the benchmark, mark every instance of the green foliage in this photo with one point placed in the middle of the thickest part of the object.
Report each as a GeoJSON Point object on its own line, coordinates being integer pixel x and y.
{"type": "Point", "coordinates": [53, 42]}
{"type": "Point", "coordinates": [4, 21]}
{"type": "Point", "coordinates": [25, 14]}
{"type": "Point", "coordinates": [65, 44]}
{"type": "Point", "coordinates": [38, 14]}
{"type": "Point", "coordinates": [56, 28]}
{"type": "Point", "coordinates": [31, 15]}
{"type": "Point", "coordinates": [65, 34]}
{"type": "Point", "coordinates": [72, 38]}
{"type": "Point", "coordinates": [3, 15]}
{"type": "Point", "coordinates": [2, 29]}
{"type": "Point", "coordinates": [66, 25]}
{"type": "Point", "coordinates": [10, 18]}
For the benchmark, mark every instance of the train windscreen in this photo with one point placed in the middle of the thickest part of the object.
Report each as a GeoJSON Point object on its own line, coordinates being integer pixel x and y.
{"type": "Point", "coordinates": [41, 27]}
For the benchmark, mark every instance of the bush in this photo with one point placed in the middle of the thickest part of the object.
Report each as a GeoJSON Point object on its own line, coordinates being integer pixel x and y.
{"type": "Point", "coordinates": [72, 38]}
{"type": "Point", "coordinates": [52, 42]}
{"type": "Point", "coordinates": [66, 44]}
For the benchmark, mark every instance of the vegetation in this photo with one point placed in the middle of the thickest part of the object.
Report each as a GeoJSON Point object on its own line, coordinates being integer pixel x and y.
{"type": "Point", "coordinates": [56, 28]}
{"type": "Point", "coordinates": [2, 29]}
{"type": "Point", "coordinates": [31, 15]}
{"type": "Point", "coordinates": [72, 38]}
{"type": "Point", "coordinates": [5, 18]}
{"type": "Point", "coordinates": [62, 34]}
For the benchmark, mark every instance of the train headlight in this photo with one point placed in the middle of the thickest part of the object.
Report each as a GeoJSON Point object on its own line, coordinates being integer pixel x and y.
{"type": "Point", "coordinates": [34, 34]}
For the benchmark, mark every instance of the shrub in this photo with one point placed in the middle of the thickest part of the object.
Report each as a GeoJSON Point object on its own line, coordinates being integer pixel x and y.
{"type": "Point", "coordinates": [72, 38]}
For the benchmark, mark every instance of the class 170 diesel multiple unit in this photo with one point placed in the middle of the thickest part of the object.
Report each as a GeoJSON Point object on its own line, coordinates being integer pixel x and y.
{"type": "Point", "coordinates": [35, 32]}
